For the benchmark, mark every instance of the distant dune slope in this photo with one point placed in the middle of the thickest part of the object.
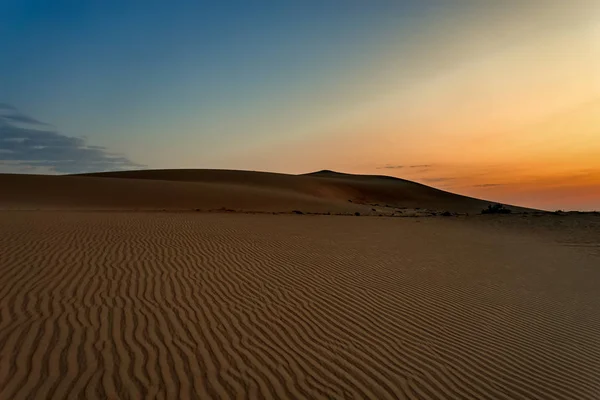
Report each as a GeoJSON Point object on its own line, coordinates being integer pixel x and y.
{"type": "Point", "coordinates": [319, 192]}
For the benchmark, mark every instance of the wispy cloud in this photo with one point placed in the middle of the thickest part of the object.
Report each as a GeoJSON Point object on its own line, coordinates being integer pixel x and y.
{"type": "Point", "coordinates": [420, 166]}
{"type": "Point", "coordinates": [438, 180]}
{"type": "Point", "coordinates": [27, 142]}
{"type": "Point", "coordinates": [486, 185]}
{"type": "Point", "coordinates": [392, 166]}
{"type": "Point", "coordinates": [13, 115]}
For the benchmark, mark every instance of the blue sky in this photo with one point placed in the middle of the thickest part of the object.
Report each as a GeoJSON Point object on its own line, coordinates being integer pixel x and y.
{"type": "Point", "coordinates": [298, 86]}
{"type": "Point", "coordinates": [153, 73]}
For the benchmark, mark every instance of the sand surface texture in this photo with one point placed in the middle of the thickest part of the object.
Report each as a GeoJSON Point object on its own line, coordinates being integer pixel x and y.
{"type": "Point", "coordinates": [115, 286]}
{"type": "Point", "coordinates": [197, 305]}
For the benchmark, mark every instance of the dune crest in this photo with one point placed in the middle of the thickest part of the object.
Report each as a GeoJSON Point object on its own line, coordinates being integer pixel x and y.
{"type": "Point", "coordinates": [320, 192]}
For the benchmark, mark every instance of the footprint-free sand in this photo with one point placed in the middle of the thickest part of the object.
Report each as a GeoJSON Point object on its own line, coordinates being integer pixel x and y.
{"type": "Point", "coordinates": [183, 304]}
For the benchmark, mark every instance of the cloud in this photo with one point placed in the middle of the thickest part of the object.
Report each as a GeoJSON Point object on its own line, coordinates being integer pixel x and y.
{"type": "Point", "coordinates": [11, 114]}
{"type": "Point", "coordinates": [486, 185]}
{"type": "Point", "coordinates": [438, 180]}
{"type": "Point", "coordinates": [7, 107]}
{"type": "Point", "coordinates": [391, 167]}
{"type": "Point", "coordinates": [27, 142]}
{"type": "Point", "coordinates": [419, 166]}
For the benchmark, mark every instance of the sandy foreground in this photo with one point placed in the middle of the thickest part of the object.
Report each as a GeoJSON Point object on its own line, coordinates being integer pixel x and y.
{"type": "Point", "coordinates": [200, 305]}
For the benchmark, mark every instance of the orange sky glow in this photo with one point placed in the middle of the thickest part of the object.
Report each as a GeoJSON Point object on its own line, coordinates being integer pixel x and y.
{"type": "Point", "coordinates": [514, 118]}
{"type": "Point", "coordinates": [494, 99]}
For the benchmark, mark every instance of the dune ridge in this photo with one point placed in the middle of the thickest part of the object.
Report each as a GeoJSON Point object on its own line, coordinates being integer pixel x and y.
{"type": "Point", "coordinates": [163, 305]}
{"type": "Point", "coordinates": [204, 190]}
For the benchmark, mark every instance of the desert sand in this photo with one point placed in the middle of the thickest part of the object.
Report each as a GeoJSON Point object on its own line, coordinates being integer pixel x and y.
{"type": "Point", "coordinates": [210, 190]}
{"type": "Point", "coordinates": [204, 284]}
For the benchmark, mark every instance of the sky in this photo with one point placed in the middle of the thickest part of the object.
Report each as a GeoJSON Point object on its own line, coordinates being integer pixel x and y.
{"type": "Point", "coordinates": [497, 100]}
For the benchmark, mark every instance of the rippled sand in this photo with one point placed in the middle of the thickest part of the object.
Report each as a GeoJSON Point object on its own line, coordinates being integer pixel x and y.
{"type": "Point", "coordinates": [199, 305]}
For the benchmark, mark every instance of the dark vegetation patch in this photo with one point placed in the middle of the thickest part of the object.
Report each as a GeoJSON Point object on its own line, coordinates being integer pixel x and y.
{"type": "Point", "coordinates": [496, 209]}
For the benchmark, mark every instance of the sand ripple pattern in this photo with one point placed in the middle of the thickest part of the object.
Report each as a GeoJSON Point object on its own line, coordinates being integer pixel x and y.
{"type": "Point", "coordinates": [199, 306]}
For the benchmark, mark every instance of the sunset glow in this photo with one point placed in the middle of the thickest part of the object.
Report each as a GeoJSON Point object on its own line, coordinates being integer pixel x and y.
{"type": "Point", "coordinates": [494, 101]}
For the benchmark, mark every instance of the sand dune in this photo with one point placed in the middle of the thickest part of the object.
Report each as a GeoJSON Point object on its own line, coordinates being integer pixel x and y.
{"type": "Point", "coordinates": [101, 296]}
{"type": "Point", "coordinates": [198, 305]}
{"type": "Point", "coordinates": [236, 190]}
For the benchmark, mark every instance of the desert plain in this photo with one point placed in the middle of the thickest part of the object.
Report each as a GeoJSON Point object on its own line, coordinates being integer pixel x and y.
{"type": "Point", "coordinates": [207, 284]}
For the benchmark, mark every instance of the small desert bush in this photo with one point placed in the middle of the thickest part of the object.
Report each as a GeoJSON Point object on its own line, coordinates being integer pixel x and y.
{"type": "Point", "coordinates": [496, 209]}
